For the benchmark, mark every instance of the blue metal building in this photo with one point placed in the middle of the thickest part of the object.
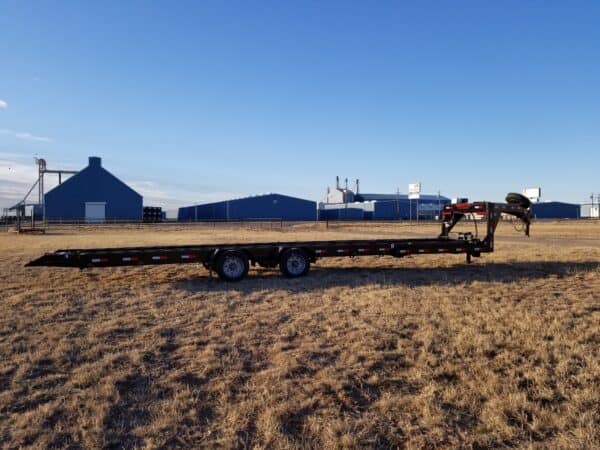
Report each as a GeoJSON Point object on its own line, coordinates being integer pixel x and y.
{"type": "Point", "coordinates": [556, 210]}
{"type": "Point", "coordinates": [341, 214]}
{"type": "Point", "coordinates": [386, 207]}
{"type": "Point", "coordinates": [405, 209]}
{"type": "Point", "coordinates": [395, 210]}
{"type": "Point", "coordinates": [259, 207]}
{"type": "Point", "coordinates": [93, 194]}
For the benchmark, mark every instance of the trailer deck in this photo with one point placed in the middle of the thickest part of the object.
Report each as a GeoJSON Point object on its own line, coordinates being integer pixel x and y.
{"type": "Point", "coordinates": [232, 261]}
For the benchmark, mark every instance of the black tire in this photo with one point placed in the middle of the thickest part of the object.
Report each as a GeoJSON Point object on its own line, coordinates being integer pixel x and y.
{"type": "Point", "coordinates": [294, 263]}
{"type": "Point", "coordinates": [232, 265]}
{"type": "Point", "coordinates": [518, 199]}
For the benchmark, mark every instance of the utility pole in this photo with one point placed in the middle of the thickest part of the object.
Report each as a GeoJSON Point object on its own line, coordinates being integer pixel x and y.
{"type": "Point", "coordinates": [418, 213]}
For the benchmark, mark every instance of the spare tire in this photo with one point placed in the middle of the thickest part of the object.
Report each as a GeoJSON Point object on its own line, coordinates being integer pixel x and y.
{"type": "Point", "coordinates": [518, 199]}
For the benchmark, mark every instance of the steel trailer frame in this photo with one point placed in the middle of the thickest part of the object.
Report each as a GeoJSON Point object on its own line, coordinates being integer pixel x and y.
{"type": "Point", "coordinates": [231, 261]}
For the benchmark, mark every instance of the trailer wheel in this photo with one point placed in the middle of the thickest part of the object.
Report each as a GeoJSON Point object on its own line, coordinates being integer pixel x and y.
{"type": "Point", "coordinates": [232, 265]}
{"type": "Point", "coordinates": [294, 263]}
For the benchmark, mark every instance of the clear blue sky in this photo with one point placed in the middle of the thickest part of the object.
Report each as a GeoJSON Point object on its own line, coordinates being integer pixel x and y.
{"type": "Point", "coordinates": [201, 100]}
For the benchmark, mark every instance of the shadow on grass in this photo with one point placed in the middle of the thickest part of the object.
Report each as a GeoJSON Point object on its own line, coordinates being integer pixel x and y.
{"type": "Point", "coordinates": [327, 277]}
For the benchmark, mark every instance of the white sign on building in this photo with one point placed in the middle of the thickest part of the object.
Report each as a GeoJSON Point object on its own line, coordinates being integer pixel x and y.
{"type": "Point", "coordinates": [533, 194]}
{"type": "Point", "coordinates": [414, 190]}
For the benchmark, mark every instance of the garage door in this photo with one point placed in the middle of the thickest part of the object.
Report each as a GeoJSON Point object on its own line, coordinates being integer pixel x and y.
{"type": "Point", "coordinates": [95, 211]}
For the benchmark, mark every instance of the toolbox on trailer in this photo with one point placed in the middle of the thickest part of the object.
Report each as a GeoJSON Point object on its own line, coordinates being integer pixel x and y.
{"type": "Point", "coordinates": [232, 261]}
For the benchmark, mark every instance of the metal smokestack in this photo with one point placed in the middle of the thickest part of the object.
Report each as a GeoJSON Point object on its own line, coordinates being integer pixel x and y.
{"type": "Point", "coordinates": [357, 191]}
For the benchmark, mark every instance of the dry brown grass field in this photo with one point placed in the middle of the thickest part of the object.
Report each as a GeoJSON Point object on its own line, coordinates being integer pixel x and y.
{"type": "Point", "coordinates": [419, 352]}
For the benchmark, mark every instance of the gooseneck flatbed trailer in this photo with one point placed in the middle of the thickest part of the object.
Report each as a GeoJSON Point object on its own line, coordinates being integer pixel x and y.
{"type": "Point", "coordinates": [232, 261]}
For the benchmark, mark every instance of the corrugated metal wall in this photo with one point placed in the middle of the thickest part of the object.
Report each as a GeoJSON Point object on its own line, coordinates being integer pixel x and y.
{"type": "Point", "coordinates": [405, 209]}
{"type": "Point", "coordinates": [342, 214]}
{"type": "Point", "coordinates": [399, 209]}
{"type": "Point", "coordinates": [556, 210]}
{"type": "Point", "coordinates": [389, 197]}
{"type": "Point", "coordinates": [394, 210]}
{"type": "Point", "coordinates": [261, 207]}
{"type": "Point", "coordinates": [211, 211]}
{"type": "Point", "coordinates": [93, 184]}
